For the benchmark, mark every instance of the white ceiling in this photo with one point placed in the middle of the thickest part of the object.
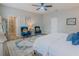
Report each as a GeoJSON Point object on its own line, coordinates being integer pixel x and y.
{"type": "Point", "coordinates": [30, 8]}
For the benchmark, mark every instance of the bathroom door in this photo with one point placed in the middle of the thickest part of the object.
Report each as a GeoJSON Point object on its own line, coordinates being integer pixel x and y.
{"type": "Point", "coordinates": [53, 25]}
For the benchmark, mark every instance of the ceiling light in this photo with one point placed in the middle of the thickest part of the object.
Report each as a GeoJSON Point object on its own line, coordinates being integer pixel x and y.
{"type": "Point", "coordinates": [42, 9]}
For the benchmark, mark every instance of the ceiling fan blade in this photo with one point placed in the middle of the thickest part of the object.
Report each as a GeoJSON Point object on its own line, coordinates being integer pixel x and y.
{"type": "Point", "coordinates": [36, 5]}
{"type": "Point", "coordinates": [45, 9]}
{"type": "Point", "coordinates": [48, 6]}
{"type": "Point", "coordinates": [42, 7]}
{"type": "Point", "coordinates": [37, 8]}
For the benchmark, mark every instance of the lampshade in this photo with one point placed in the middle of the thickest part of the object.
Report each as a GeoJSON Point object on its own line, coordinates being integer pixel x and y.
{"type": "Point", "coordinates": [22, 25]}
{"type": "Point", "coordinates": [30, 25]}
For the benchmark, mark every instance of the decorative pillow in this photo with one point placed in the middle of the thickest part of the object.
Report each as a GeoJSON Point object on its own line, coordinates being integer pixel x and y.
{"type": "Point", "coordinates": [75, 39]}
{"type": "Point", "coordinates": [75, 42]}
{"type": "Point", "coordinates": [70, 36]}
{"type": "Point", "coordinates": [78, 33]}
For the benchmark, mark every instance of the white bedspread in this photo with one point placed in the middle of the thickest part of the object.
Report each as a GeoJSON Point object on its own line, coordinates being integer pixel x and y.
{"type": "Point", "coordinates": [56, 45]}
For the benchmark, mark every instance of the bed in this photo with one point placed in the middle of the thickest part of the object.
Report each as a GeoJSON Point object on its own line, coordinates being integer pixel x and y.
{"type": "Point", "coordinates": [20, 47]}
{"type": "Point", "coordinates": [15, 46]}
{"type": "Point", "coordinates": [55, 45]}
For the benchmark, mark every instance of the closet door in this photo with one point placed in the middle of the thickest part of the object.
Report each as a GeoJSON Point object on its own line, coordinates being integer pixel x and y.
{"type": "Point", "coordinates": [12, 27]}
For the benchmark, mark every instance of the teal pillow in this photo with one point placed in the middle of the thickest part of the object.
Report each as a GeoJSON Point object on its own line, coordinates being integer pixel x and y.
{"type": "Point", "coordinates": [75, 40]}
{"type": "Point", "coordinates": [70, 36]}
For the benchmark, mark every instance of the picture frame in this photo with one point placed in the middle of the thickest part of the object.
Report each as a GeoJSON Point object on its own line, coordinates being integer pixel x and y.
{"type": "Point", "coordinates": [71, 21]}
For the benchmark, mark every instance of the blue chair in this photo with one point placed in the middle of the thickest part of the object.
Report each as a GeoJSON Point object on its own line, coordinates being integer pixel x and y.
{"type": "Point", "coordinates": [25, 34]}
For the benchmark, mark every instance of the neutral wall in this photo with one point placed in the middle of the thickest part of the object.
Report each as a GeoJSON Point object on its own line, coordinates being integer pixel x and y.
{"type": "Point", "coordinates": [61, 21]}
{"type": "Point", "coordinates": [8, 11]}
{"type": "Point", "coordinates": [45, 20]}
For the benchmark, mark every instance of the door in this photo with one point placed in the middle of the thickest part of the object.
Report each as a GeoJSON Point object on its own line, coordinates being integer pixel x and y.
{"type": "Point", "coordinates": [53, 25]}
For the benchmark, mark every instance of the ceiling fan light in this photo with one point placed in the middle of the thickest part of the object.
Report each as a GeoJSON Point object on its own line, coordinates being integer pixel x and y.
{"type": "Point", "coordinates": [42, 9]}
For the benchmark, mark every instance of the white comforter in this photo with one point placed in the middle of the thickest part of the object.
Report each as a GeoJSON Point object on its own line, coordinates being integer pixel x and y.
{"type": "Point", "coordinates": [56, 45]}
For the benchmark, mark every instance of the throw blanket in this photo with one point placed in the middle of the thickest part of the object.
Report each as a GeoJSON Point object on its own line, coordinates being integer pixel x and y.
{"type": "Point", "coordinates": [23, 44]}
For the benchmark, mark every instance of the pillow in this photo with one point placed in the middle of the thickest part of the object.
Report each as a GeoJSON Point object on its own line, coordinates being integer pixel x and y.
{"type": "Point", "coordinates": [75, 39]}
{"type": "Point", "coordinates": [70, 36]}
{"type": "Point", "coordinates": [75, 42]}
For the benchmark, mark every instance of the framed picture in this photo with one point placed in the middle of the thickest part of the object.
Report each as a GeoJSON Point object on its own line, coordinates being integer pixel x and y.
{"type": "Point", "coordinates": [71, 21]}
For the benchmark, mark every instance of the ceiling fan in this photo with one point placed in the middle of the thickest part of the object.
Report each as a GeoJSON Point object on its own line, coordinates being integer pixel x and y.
{"type": "Point", "coordinates": [42, 6]}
